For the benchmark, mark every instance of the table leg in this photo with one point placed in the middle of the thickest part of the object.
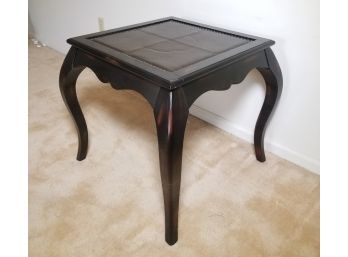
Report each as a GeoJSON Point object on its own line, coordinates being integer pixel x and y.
{"type": "Point", "coordinates": [67, 84]}
{"type": "Point", "coordinates": [171, 112]}
{"type": "Point", "coordinates": [274, 85]}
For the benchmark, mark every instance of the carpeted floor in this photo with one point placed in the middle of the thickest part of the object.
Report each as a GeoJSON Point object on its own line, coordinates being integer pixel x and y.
{"type": "Point", "coordinates": [111, 203]}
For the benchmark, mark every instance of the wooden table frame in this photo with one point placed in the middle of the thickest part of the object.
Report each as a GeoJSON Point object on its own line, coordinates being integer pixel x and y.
{"type": "Point", "coordinates": [171, 95]}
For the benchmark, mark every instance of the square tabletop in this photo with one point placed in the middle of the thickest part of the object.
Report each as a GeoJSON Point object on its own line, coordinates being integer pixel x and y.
{"type": "Point", "coordinates": [170, 51]}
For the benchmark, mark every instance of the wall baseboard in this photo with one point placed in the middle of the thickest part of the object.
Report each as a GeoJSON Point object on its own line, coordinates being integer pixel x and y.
{"type": "Point", "coordinates": [283, 152]}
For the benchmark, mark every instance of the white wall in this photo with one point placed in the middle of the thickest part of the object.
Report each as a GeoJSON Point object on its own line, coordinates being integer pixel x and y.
{"type": "Point", "coordinates": [294, 24]}
{"type": "Point", "coordinates": [55, 21]}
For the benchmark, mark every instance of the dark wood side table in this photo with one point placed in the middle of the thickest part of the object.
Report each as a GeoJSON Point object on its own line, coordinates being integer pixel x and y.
{"type": "Point", "coordinates": [171, 62]}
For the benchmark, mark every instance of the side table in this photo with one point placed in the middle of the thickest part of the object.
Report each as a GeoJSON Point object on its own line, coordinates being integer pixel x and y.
{"type": "Point", "coordinates": [171, 62]}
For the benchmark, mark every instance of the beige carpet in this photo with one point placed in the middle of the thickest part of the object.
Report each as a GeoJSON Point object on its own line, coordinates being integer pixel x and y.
{"type": "Point", "coordinates": [111, 203]}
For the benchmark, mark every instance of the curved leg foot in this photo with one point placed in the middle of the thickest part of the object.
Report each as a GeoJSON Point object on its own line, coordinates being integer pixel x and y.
{"type": "Point", "coordinates": [67, 85]}
{"type": "Point", "coordinates": [171, 112]}
{"type": "Point", "coordinates": [274, 84]}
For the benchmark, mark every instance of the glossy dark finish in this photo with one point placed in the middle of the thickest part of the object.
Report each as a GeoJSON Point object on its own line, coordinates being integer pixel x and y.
{"type": "Point", "coordinates": [274, 86]}
{"type": "Point", "coordinates": [117, 50]}
{"type": "Point", "coordinates": [67, 85]}
{"type": "Point", "coordinates": [171, 112]}
{"type": "Point", "coordinates": [171, 62]}
{"type": "Point", "coordinates": [171, 45]}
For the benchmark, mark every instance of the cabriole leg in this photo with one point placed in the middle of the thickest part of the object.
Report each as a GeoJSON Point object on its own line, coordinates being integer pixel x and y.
{"type": "Point", "coordinates": [67, 84]}
{"type": "Point", "coordinates": [274, 84]}
{"type": "Point", "coordinates": [171, 112]}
